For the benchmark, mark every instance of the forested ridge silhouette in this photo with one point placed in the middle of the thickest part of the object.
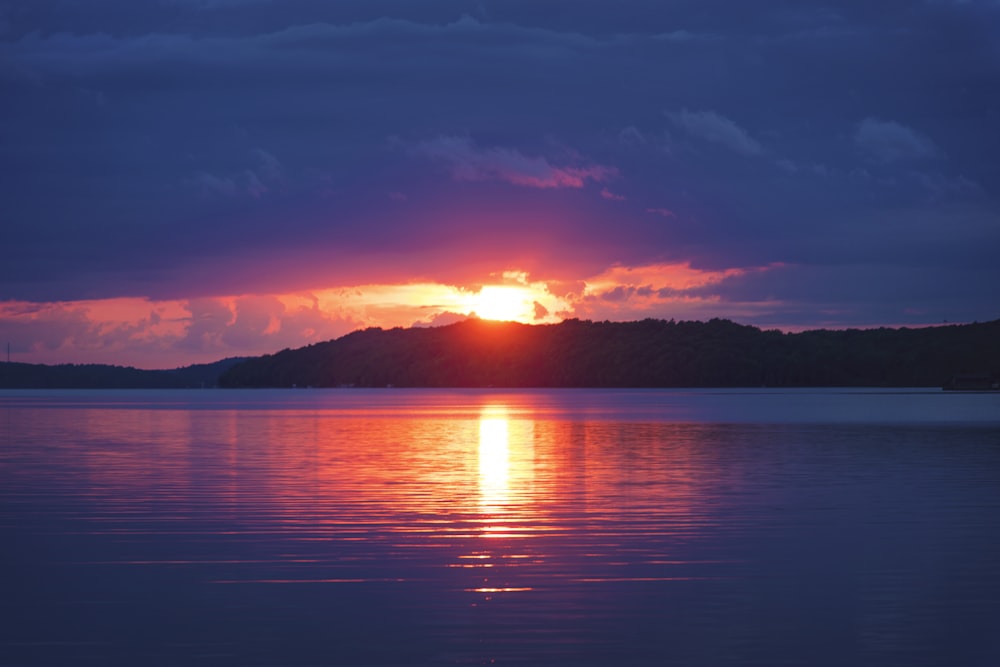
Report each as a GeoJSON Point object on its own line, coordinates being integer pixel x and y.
{"type": "Point", "coordinates": [647, 353]}
{"type": "Point", "coordinates": [15, 375]}
{"type": "Point", "coordinates": [577, 353]}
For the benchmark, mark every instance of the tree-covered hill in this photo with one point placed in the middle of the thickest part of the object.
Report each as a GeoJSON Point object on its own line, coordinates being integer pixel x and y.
{"type": "Point", "coordinates": [103, 376]}
{"type": "Point", "coordinates": [650, 353]}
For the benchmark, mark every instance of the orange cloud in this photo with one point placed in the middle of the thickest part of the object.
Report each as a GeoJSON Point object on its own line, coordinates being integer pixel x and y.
{"type": "Point", "coordinates": [170, 333]}
{"type": "Point", "coordinates": [677, 276]}
{"type": "Point", "coordinates": [98, 331]}
{"type": "Point", "coordinates": [667, 290]}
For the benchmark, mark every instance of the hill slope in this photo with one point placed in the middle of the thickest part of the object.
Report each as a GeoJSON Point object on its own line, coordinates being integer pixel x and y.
{"type": "Point", "coordinates": [103, 376]}
{"type": "Point", "coordinates": [650, 353]}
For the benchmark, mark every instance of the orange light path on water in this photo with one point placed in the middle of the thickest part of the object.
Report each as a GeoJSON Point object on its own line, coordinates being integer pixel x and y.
{"type": "Point", "coordinates": [492, 490]}
{"type": "Point", "coordinates": [494, 461]}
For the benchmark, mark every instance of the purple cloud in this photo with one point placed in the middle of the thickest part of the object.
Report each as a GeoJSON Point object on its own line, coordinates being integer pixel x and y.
{"type": "Point", "coordinates": [265, 174]}
{"type": "Point", "coordinates": [469, 162]}
{"type": "Point", "coordinates": [717, 129]}
{"type": "Point", "coordinates": [662, 212]}
{"type": "Point", "coordinates": [888, 141]}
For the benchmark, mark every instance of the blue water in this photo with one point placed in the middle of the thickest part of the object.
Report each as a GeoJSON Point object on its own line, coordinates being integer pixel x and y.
{"type": "Point", "coordinates": [424, 527]}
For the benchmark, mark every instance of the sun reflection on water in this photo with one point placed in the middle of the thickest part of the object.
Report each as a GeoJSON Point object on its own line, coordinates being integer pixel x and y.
{"type": "Point", "coordinates": [494, 460]}
{"type": "Point", "coordinates": [467, 528]}
{"type": "Point", "coordinates": [506, 459]}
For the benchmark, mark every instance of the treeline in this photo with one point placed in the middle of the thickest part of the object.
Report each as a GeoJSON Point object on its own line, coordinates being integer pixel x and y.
{"type": "Point", "coordinates": [103, 376]}
{"type": "Point", "coordinates": [650, 353]}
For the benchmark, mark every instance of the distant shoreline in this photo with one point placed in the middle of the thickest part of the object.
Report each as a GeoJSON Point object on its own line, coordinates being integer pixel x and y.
{"type": "Point", "coordinates": [584, 354]}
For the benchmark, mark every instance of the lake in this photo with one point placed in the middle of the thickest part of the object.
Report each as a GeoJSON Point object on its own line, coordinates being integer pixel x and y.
{"type": "Point", "coordinates": [434, 527]}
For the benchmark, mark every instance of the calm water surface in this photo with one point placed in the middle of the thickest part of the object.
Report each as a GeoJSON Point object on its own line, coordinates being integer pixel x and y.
{"type": "Point", "coordinates": [413, 527]}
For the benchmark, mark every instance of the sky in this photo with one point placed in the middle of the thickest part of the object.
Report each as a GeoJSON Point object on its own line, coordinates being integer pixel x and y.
{"type": "Point", "coordinates": [187, 180]}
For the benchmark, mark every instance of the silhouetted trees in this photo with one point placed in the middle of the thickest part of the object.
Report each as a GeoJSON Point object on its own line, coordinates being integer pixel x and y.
{"type": "Point", "coordinates": [649, 353]}
{"type": "Point", "coordinates": [578, 353]}
{"type": "Point", "coordinates": [103, 376]}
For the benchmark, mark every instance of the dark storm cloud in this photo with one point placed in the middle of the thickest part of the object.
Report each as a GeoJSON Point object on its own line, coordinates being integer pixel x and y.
{"type": "Point", "coordinates": [195, 147]}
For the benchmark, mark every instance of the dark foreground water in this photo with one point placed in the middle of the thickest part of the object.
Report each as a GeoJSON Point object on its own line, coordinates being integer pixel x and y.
{"type": "Point", "coordinates": [403, 527]}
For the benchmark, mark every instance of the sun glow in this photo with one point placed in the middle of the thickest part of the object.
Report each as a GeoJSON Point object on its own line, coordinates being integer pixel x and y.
{"type": "Point", "coordinates": [503, 302]}
{"type": "Point", "coordinates": [150, 333]}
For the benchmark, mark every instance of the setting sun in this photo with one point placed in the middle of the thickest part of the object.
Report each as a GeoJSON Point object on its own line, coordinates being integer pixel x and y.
{"type": "Point", "coordinates": [503, 302]}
